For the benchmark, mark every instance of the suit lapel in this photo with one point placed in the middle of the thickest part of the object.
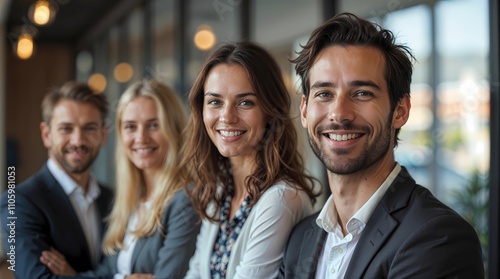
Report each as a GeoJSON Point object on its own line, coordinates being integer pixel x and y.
{"type": "Point", "coordinates": [381, 224]}
{"type": "Point", "coordinates": [67, 212]}
{"type": "Point", "coordinates": [312, 244]}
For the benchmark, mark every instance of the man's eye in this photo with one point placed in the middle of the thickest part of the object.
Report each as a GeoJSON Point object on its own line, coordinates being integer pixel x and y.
{"type": "Point", "coordinates": [65, 129]}
{"type": "Point", "coordinates": [363, 94]}
{"type": "Point", "coordinates": [323, 94]}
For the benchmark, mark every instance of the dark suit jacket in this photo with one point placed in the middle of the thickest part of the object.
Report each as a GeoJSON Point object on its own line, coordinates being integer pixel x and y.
{"type": "Point", "coordinates": [166, 254]}
{"type": "Point", "coordinates": [409, 235]}
{"type": "Point", "coordinates": [45, 218]}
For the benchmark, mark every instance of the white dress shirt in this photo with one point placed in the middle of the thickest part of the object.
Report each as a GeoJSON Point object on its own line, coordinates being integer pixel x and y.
{"type": "Point", "coordinates": [338, 249]}
{"type": "Point", "coordinates": [84, 206]}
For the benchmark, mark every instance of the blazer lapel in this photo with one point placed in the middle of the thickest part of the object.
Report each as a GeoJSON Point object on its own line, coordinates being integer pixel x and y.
{"type": "Point", "coordinates": [312, 244]}
{"type": "Point", "coordinates": [66, 212]}
{"type": "Point", "coordinates": [103, 207]}
{"type": "Point", "coordinates": [381, 224]}
{"type": "Point", "coordinates": [137, 251]}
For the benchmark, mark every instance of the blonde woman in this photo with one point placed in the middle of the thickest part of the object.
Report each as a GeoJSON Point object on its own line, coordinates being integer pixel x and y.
{"type": "Point", "coordinates": [152, 227]}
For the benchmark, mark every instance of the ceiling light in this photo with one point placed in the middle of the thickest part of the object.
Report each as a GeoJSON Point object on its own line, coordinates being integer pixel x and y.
{"type": "Point", "coordinates": [123, 72]}
{"type": "Point", "coordinates": [97, 82]}
{"type": "Point", "coordinates": [42, 12]}
{"type": "Point", "coordinates": [25, 46]}
{"type": "Point", "coordinates": [204, 39]}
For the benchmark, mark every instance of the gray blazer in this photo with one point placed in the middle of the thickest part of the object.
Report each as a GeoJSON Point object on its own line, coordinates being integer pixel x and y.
{"type": "Point", "coordinates": [165, 255]}
{"type": "Point", "coordinates": [409, 235]}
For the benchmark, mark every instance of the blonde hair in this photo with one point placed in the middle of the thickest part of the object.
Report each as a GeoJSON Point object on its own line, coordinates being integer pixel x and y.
{"type": "Point", "coordinates": [129, 181]}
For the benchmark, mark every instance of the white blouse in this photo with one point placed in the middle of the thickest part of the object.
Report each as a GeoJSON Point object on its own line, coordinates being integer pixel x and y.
{"type": "Point", "coordinates": [258, 250]}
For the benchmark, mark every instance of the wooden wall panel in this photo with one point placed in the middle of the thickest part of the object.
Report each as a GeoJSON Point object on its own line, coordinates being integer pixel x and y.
{"type": "Point", "coordinates": [27, 82]}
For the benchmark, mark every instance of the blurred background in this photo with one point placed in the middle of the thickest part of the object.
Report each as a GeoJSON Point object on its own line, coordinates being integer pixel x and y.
{"type": "Point", "coordinates": [449, 145]}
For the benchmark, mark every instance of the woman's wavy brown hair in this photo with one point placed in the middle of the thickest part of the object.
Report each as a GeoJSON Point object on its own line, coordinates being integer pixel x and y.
{"type": "Point", "coordinates": [277, 156]}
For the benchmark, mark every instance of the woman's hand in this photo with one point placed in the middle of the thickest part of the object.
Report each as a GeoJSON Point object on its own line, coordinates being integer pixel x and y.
{"type": "Point", "coordinates": [56, 262]}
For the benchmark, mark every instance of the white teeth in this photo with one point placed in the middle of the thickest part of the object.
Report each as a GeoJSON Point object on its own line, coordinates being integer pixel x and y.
{"type": "Point", "coordinates": [344, 137]}
{"type": "Point", "coordinates": [230, 133]}
{"type": "Point", "coordinates": [144, 150]}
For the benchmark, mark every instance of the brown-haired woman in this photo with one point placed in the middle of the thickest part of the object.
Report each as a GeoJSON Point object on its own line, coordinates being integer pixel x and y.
{"type": "Point", "coordinates": [250, 186]}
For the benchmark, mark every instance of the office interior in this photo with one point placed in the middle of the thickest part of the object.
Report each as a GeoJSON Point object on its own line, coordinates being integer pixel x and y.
{"type": "Point", "coordinates": [450, 143]}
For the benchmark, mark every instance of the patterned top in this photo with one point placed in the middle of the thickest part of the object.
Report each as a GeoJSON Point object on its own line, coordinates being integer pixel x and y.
{"type": "Point", "coordinates": [228, 233]}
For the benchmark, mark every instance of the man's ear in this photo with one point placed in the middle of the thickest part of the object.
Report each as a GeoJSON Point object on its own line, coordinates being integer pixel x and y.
{"type": "Point", "coordinates": [45, 131]}
{"type": "Point", "coordinates": [401, 112]}
{"type": "Point", "coordinates": [303, 111]}
{"type": "Point", "coordinates": [104, 134]}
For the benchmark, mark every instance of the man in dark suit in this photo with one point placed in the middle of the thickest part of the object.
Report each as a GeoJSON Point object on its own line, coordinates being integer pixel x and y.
{"type": "Point", "coordinates": [62, 206]}
{"type": "Point", "coordinates": [378, 223]}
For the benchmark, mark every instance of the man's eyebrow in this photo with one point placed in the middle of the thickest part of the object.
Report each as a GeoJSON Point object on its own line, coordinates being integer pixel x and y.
{"type": "Point", "coordinates": [319, 84]}
{"type": "Point", "coordinates": [63, 123]}
{"type": "Point", "coordinates": [359, 83]}
{"type": "Point", "coordinates": [354, 83]}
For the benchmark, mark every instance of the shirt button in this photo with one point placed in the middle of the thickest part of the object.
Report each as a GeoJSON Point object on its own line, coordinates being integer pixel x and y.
{"type": "Point", "coordinates": [340, 251]}
{"type": "Point", "coordinates": [332, 269]}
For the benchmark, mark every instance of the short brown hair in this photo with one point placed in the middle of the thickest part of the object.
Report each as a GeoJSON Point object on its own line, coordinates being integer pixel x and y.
{"type": "Point", "coordinates": [74, 91]}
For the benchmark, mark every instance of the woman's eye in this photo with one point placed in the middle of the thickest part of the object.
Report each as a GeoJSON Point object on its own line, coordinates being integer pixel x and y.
{"type": "Point", "coordinates": [213, 102]}
{"type": "Point", "coordinates": [154, 126]}
{"type": "Point", "coordinates": [247, 103]}
{"type": "Point", "coordinates": [128, 127]}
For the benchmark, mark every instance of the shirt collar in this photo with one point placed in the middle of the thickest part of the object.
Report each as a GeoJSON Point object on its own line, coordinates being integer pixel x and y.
{"type": "Point", "coordinates": [69, 185]}
{"type": "Point", "coordinates": [327, 218]}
